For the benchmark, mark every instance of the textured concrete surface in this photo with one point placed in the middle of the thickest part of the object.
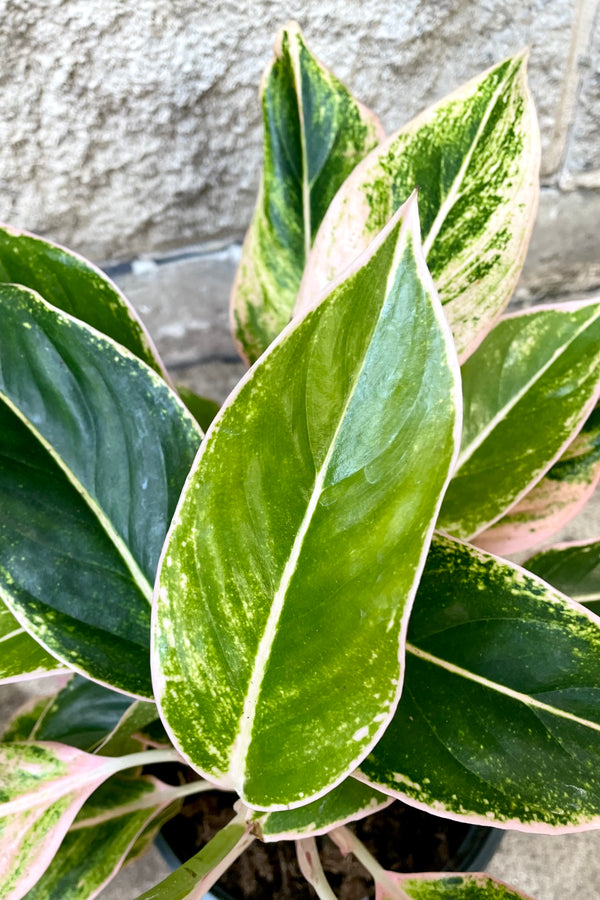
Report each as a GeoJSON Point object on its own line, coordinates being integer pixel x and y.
{"type": "Point", "coordinates": [129, 128]}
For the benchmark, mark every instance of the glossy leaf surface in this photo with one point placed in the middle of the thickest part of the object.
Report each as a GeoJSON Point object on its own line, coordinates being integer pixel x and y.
{"type": "Point", "coordinates": [94, 449]}
{"type": "Point", "coordinates": [527, 390]}
{"type": "Point", "coordinates": [349, 801]}
{"type": "Point", "coordinates": [81, 714]}
{"type": "Point", "coordinates": [450, 886]}
{"type": "Point", "coordinates": [554, 501]}
{"type": "Point", "coordinates": [73, 284]}
{"type": "Point", "coordinates": [21, 657]}
{"type": "Point", "coordinates": [100, 839]}
{"type": "Point", "coordinates": [484, 696]}
{"type": "Point", "coordinates": [338, 440]}
{"type": "Point", "coordinates": [573, 568]}
{"type": "Point", "coordinates": [315, 132]}
{"type": "Point", "coordinates": [474, 158]}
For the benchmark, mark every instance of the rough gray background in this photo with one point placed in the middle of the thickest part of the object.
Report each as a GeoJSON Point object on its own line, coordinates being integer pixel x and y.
{"type": "Point", "coordinates": [130, 128]}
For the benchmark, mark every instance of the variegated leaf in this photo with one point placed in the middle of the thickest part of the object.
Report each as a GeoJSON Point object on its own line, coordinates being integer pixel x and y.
{"type": "Point", "coordinates": [554, 501]}
{"type": "Point", "coordinates": [474, 157]}
{"type": "Point", "coordinates": [101, 837]}
{"type": "Point", "coordinates": [30, 839]}
{"type": "Point", "coordinates": [335, 440]}
{"type": "Point", "coordinates": [449, 886]}
{"type": "Point", "coordinates": [501, 670]}
{"type": "Point", "coordinates": [36, 773]}
{"type": "Point", "coordinates": [124, 737]}
{"type": "Point", "coordinates": [573, 568]}
{"type": "Point", "coordinates": [527, 390]}
{"type": "Point", "coordinates": [21, 657]}
{"type": "Point", "coordinates": [349, 801]}
{"type": "Point", "coordinates": [42, 787]}
{"type": "Point", "coordinates": [315, 132]}
{"type": "Point", "coordinates": [75, 285]}
{"type": "Point", "coordinates": [95, 448]}
{"type": "Point", "coordinates": [81, 714]}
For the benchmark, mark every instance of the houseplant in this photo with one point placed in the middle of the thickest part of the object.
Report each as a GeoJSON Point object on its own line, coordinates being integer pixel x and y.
{"type": "Point", "coordinates": [275, 561]}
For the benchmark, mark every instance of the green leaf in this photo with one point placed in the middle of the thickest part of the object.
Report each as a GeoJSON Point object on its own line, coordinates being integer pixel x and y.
{"type": "Point", "coordinates": [74, 285]}
{"type": "Point", "coordinates": [573, 568]}
{"type": "Point", "coordinates": [315, 132]}
{"type": "Point", "coordinates": [21, 657]}
{"type": "Point", "coordinates": [526, 391]}
{"type": "Point", "coordinates": [81, 714]}
{"type": "Point", "coordinates": [474, 156]}
{"type": "Point", "coordinates": [133, 720]}
{"type": "Point", "coordinates": [99, 841]}
{"type": "Point", "coordinates": [192, 880]}
{"type": "Point", "coordinates": [288, 655]}
{"type": "Point", "coordinates": [450, 886]}
{"type": "Point", "coordinates": [349, 801]}
{"type": "Point", "coordinates": [502, 670]}
{"type": "Point", "coordinates": [94, 450]}
{"type": "Point", "coordinates": [554, 501]}
{"type": "Point", "coordinates": [202, 409]}
{"type": "Point", "coordinates": [42, 787]}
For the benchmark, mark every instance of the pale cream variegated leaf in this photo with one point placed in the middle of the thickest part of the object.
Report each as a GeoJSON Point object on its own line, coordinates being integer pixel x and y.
{"type": "Point", "coordinates": [474, 158]}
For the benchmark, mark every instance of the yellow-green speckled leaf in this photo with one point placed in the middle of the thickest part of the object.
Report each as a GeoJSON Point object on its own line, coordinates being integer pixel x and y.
{"type": "Point", "coordinates": [289, 570]}
{"type": "Point", "coordinates": [315, 132]}
{"type": "Point", "coordinates": [527, 390]}
{"type": "Point", "coordinates": [449, 886]}
{"type": "Point", "coordinates": [554, 501]}
{"type": "Point", "coordinates": [573, 567]}
{"type": "Point", "coordinates": [21, 657]}
{"type": "Point", "coordinates": [474, 157]}
{"type": "Point", "coordinates": [349, 801]}
{"type": "Point", "coordinates": [499, 720]}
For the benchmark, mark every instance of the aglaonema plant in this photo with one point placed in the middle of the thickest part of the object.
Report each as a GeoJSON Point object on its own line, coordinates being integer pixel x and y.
{"type": "Point", "coordinates": [301, 603]}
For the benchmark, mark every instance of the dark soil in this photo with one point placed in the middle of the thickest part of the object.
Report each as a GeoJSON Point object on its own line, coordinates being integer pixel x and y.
{"type": "Point", "coordinates": [402, 838]}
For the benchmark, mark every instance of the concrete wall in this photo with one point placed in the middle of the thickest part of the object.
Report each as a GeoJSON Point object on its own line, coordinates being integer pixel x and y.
{"type": "Point", "coordinates": [133, 127]}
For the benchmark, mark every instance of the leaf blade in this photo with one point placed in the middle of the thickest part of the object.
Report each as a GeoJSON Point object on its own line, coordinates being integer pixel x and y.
{"type": "Point", "coordinates": [280, 532]}
{"type": "Point", "coordinates": [527, 390]}
{"type": "Point", "coordinates": [516, 703]}
{"type": "Point", "coordinates": [475, 158]}
{"type": "Point", "coordinates": [90, 487]}
{"type": "Point", "coordinates": [554, 501]}
{"type": "Point", "coordinates": [76, 286]}
{"type": "Point", "coordinates": [314, 134]}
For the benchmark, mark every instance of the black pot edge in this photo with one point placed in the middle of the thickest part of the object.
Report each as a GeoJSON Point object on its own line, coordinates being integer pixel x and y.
{"type": "Point", "coordinates": [473, 855]}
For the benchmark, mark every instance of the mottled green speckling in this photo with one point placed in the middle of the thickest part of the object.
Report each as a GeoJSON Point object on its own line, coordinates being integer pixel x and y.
{"type": "Point", "coordinates": [315, 132]}
{"type": "Point", "coordinates": [573, 568]}
{"type": "Point", "coordinates": [483, 697]}
{"type": "Point", "coordinates": [474, 159]}
{"type": "Point", "coordinates": [527, 390]}
{"type": "Point", "coordinates": [455, 887]}
{"type": "Point", "coordinates": [336, 424]}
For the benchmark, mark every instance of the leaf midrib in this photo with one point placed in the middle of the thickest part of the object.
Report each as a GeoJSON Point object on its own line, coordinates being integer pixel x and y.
{"type": "Point", "coordinates": [244, 735]}
{"type": "Point", "coordinates": [454, 192]}
{"type": "Point", "coordinates": [499, 688]}
{"type": "Point", "coordinates": [508, 407]}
